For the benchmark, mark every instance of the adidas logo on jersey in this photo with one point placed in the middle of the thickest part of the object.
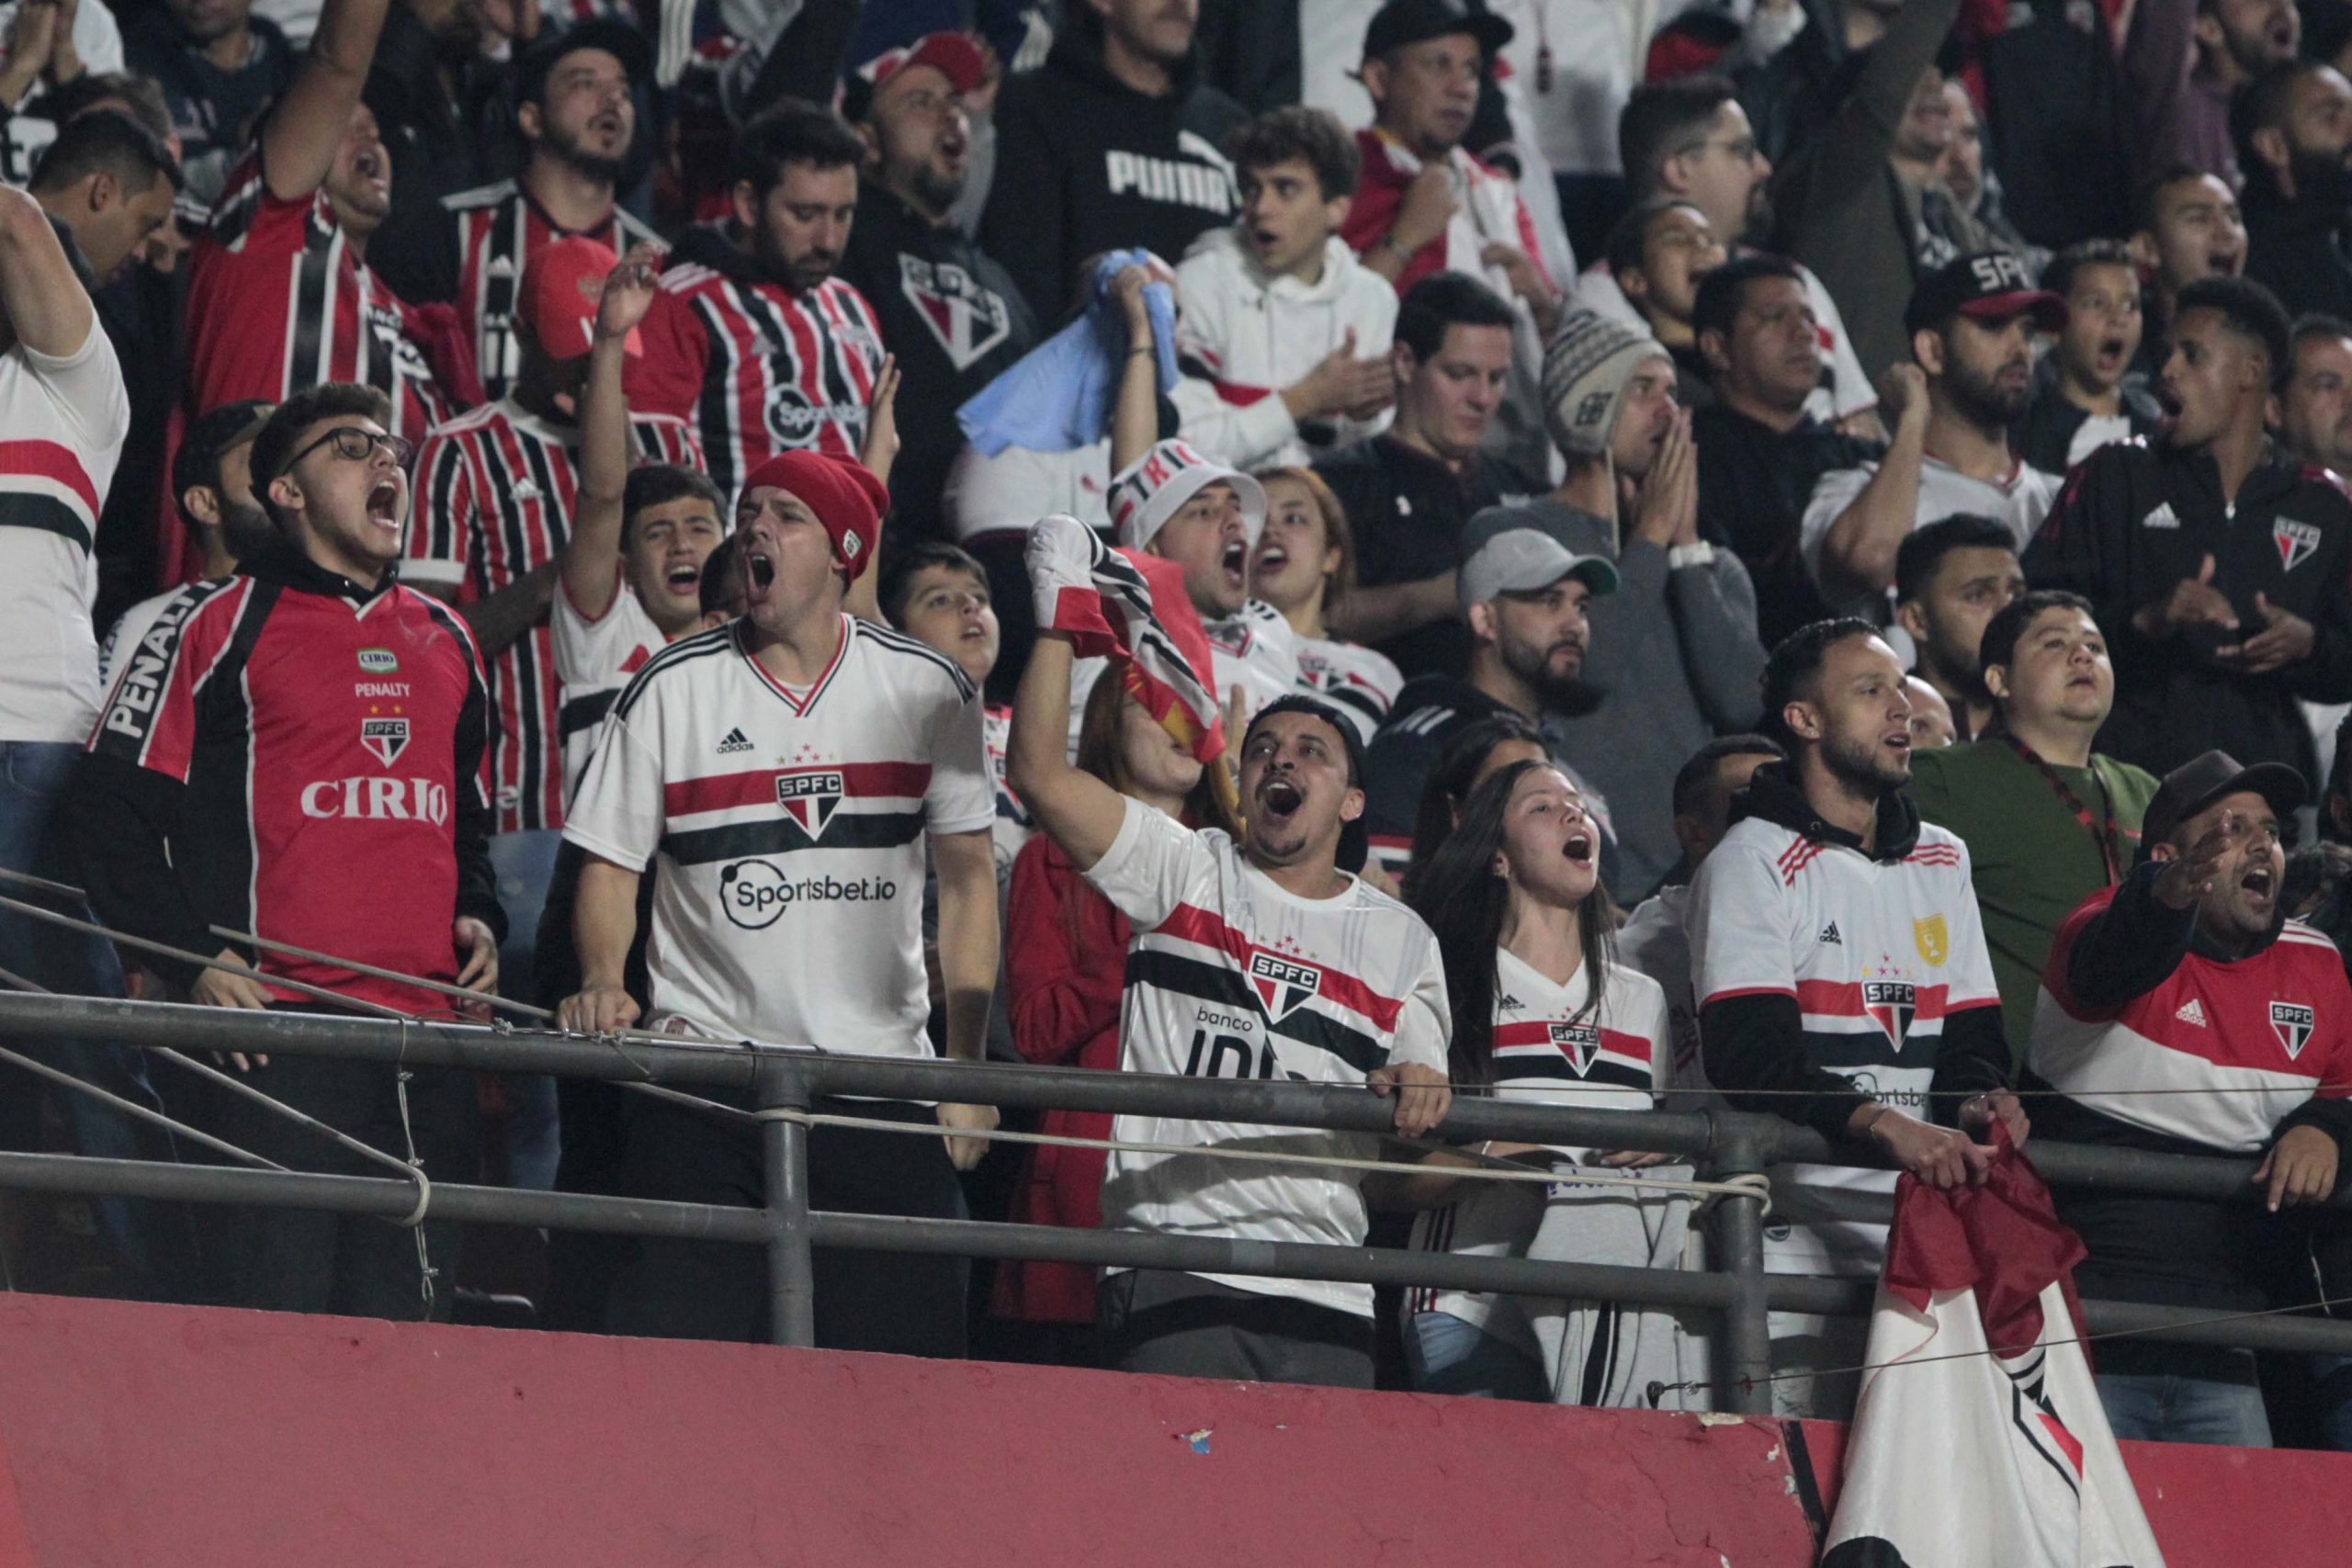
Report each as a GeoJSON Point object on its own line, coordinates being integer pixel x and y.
{"type": "Point", "coordinates": [2162, 517]}
{"type": "Point", "coordinates": [1829, 937]}
{"type": "Point", "coordinates": [1509, 1003]}
{"type": "Point", "coordinates": [2191, 1011]}
{"type": "Point", "coordinates": [735, 742]}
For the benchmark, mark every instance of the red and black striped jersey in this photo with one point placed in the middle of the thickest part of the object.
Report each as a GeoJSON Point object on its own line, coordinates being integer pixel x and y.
{"type": "Point", "coordinates": [496, 489]}
{"type": "Point", "coordinates": [756, 368]}
{"type": "Point", "coordinates": [500, 228]}
{"type": "Point", "coordinates": [290, 754]}
{"type": "Point", "coordinates": [278, 301]}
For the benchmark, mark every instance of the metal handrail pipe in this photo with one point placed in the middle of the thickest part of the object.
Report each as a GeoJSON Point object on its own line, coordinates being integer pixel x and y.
{"type": "Point", "coordinates": [388, 1197]}
{"type": "Point", "coordinates": [444, 1043]}
{"type": "Point", "coordinates": [435, 1043]}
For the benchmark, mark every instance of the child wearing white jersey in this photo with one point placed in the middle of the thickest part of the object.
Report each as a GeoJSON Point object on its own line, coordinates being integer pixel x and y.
{"type": "Point", "coordinates": [1256, 959]}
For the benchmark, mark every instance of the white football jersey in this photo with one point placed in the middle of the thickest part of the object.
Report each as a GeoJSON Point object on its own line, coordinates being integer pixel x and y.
{"type": "Point", "coordinates": [1013, 824]}
{"type": "Point", "coordinates": [1653, 940]}
{"type": "Point", "coordinates": [1361, 681]}
{"type": "Point", "coordinates": [789, 826]}
{"type": "Point", "coordinates": [1257, 651]}
{"type": "Point", "coordinates": [593, 662]}
{"type": "Point", "coordinates": [1876, 954]}
{"type": "Point", "coordinates": [1229, 976]}
{"type": "Point", "coordinates": [1543, 1052]}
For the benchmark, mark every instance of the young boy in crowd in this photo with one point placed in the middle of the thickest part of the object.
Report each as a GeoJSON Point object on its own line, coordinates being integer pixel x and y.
{"type": "Point", "coordinates": [2081, 401]}
{"type": "Point", "coordinates": [1658, 253]}
{"type": "Point", "coordinates": [1279, 315]}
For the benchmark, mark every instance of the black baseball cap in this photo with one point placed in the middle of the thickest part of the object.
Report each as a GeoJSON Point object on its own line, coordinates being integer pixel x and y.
{"type": "Point", "coordinates": [1988, 285]}
{"type": "Point", "coordinates": [1401, 22]}
{"type": "Point", "coordinates": [1355, 838]}
{"type": "Point", "coordinates": [2199, 782]}
{"type": "Point", "coordinates": [618, 39]}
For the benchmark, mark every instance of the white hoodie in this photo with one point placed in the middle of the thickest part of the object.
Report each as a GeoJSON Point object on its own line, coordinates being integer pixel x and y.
{"type": "Point", "coordinates": [1253, 335]}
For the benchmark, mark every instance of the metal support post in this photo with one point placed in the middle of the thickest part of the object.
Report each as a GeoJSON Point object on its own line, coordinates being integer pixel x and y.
{"type": "Point", "coordinates": [784, 1155]}
{"type": "Point", "coordinates": [1744, 1356]}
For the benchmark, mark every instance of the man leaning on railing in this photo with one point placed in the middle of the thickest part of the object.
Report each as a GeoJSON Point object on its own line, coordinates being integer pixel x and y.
{"type": "Point", "coordinates": [2181, 1013]}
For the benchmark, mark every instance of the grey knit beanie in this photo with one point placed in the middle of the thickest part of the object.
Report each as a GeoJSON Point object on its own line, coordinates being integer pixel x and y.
{"type": "Point", "coordinates": [1586, 366]}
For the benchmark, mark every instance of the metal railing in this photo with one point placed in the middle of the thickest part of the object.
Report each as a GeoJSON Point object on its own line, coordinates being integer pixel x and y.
{"type": "Point", "coordinates": [1723, 1144]}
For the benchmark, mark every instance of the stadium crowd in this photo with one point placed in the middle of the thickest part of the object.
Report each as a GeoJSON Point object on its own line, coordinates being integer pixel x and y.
{"type": "Point", "coordinates": [1786, 554]}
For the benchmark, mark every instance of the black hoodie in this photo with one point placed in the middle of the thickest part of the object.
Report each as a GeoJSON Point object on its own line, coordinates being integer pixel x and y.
{"type": "Point", "coordinates": [1085, 164]}
{"type": "Point", "coordinates": [1755, 1045]}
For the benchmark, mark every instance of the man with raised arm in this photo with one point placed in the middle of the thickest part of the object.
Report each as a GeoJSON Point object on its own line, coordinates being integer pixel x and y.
{"type": "Point", "coordinates": [786, 770]}
{"type": "Point", "coordinates": [281, 297]}
{"type": "Point", "coordinates": [1253, 960]}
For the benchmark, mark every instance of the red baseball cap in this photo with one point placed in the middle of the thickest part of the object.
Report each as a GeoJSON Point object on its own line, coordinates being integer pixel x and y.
{"type": "Point", "coordinates": [954, 56]}
{"type": "Point", "coordinates": [564, 284]}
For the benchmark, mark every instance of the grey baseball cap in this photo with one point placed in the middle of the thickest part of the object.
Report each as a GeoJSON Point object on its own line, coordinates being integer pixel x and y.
{"type": "Point", "coordinates": [1525, 560]}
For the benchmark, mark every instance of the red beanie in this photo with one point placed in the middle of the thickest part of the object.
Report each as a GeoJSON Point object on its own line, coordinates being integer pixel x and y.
{"type": "Point", "coordinates": [843, 494]}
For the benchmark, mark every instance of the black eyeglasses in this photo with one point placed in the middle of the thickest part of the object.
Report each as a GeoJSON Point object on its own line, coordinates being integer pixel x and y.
{"type": "Point", "coordinates": [355, 445]}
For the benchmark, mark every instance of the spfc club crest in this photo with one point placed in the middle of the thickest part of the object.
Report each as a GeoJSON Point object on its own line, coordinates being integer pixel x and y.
{"type": "Point", "coordinates": [965, 315]}
{"type": "Point", "coordinates": [2292, 1022]}
{"type": "Point", "coordinates": [1579, 1043]}
{"type": "Point", "coordinates": [810, 799]}
{"type": "Point", "coordinates": [388, 737]}
{"type": "Point", "coordinates": [2296, 541]}
{"type": "Point", "coordinates": [1891, 1002]}
{"type": "Point", "coordinates": [1283, 985]}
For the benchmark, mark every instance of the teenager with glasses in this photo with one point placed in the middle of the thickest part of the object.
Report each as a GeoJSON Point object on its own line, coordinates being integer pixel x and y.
{"type": "Point", "coordinates": [285, 738]}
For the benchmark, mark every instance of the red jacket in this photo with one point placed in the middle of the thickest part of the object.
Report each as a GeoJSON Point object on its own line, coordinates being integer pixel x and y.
{"type": "Point", "coordinates": [1068, 977]}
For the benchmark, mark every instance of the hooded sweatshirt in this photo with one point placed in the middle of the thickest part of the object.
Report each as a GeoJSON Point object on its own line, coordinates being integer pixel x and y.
{"type": "Point", "coordinates": [1251, 336]}
{"type": "Point", "coordinates": [1086, 164]}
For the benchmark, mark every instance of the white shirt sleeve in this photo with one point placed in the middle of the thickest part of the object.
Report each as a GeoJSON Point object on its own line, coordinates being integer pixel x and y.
{"type": "Point", "coordinates": [589, 654]}
{"type": "Point", "coordinates": [85, 388]}
{"type": "Point", "coordinates": [962, 797]}
{"type": "Point", "coordinates": [618, 812]}
{"type": "Point", "coordinates": [1832, 493]}
{"type": "Point", "coordinates": [1740, 941]}
{"type": "Point", "coordinates": [1850, 387]}
{"type": "Point", "coordinates": [1154, 864]}
{"type": "Point", "coordinates": [1969, 965]}
{"type": "Point", "coordinates": [98, 37]}
{"type": "Point", "coordinates": [1425, 1028]}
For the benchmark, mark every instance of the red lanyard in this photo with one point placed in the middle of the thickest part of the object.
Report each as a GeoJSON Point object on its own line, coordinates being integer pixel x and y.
{"type": "Point", "coordinates": [2103, 833]}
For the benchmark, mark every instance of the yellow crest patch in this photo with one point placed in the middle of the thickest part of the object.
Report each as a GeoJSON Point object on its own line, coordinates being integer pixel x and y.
{"type": "Point", "coordinates": [1934, 939]}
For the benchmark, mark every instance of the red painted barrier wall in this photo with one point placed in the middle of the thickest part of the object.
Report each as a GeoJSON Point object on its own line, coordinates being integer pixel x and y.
{"type": "Point", "coordinates": [139, 1437]}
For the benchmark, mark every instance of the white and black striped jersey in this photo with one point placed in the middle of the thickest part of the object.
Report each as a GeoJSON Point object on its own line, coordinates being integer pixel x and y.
{"type": "Point", "coordinates": [1361, 681]}
{"type": "Point", "coordinates": [756, 368]}
{"type": "Point", "coordinates": [595, 661]}
{"type": "Point", "coordinates": [496, 489]}
{"type": "Point", "coordinates": [1230, 976]}
{"type": "Point", "coordinates": [498, 229]}
{"type": "Point", "coordinates": [62, 423]}
{"type": "Point", "coordinates": [789, 826]}
{"type": "Point", "coordinates": [1547, 1048]}
{"type": "Point", "coordinates": [1257, 650]}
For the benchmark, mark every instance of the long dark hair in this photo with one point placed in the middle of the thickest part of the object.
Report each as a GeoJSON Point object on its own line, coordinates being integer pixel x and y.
{"type": "Point", "coordinates": [1449, 782]}
{"type": "Point", "coordinates": [1459, 894]}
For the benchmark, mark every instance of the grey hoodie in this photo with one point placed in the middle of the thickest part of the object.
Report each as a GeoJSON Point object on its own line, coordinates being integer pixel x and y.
{"type": "Point", "coordinates": [1675, 655]}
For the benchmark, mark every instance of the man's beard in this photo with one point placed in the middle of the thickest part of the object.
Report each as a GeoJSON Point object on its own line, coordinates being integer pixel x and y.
{"type": "Point", "coordinates": [933, 190]}
{"type": "Point", "coordinates": [1855, 763]}
{"type": "Point", "coordinates": [811, 269]}
{"type": "Point", "coordinates": [2319, 179]}
{"type": "Point", "coordinates": [245, 529]}
{"type": "Point", "coordinates": [1570, 695]}
{"type": "Point", "coordinates": [594, 166]}
{"type": "Point", "coordinates": [1984, 401]}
